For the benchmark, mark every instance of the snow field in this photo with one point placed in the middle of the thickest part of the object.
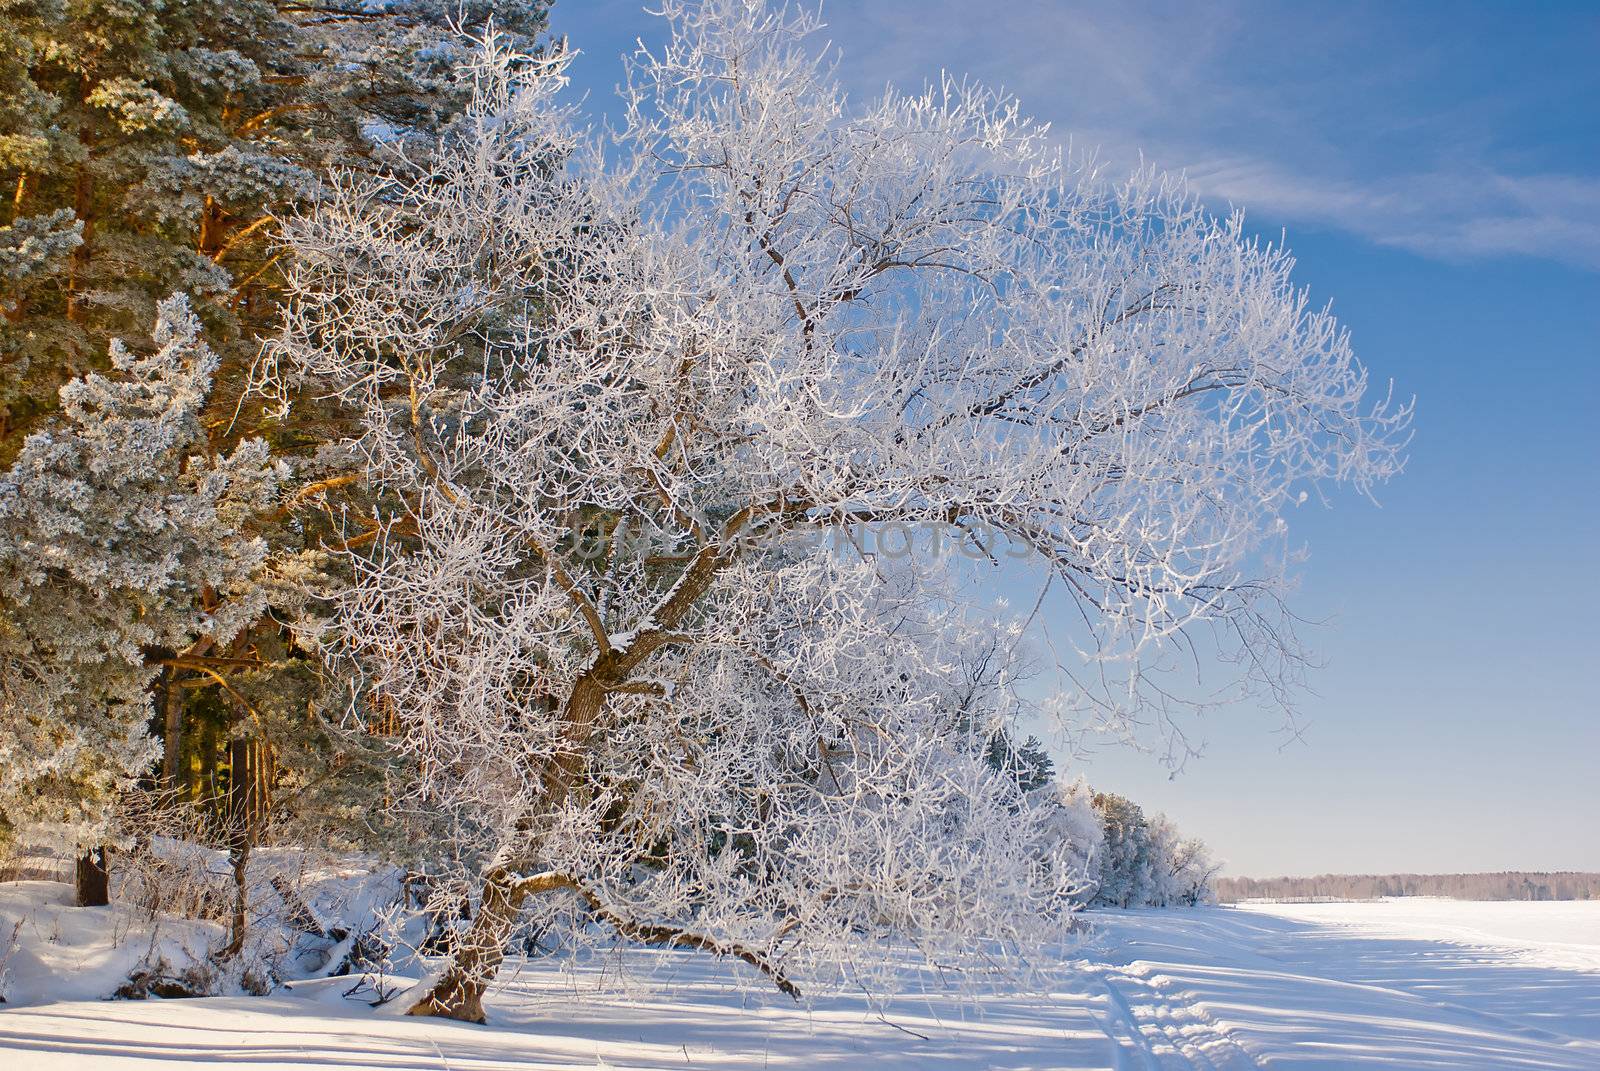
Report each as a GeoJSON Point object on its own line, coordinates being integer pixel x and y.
{"type": "Point", "coordinates": [1325, 987]}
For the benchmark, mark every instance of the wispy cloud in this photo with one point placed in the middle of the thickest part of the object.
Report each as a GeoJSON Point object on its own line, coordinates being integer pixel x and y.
{"type": "Point", "coordinates": [1370, 124]}
{"type": "Point", "coordinates": [1450, 215]}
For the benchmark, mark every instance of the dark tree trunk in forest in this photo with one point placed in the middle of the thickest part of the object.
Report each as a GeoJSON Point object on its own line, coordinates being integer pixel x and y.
{"type": "Point", "coordinates": [205, 788]}
{"type": "Point", "coordinates": [246, 811]}
{"type": "Point", "coordinates": [172, 730]}
{"type": "Point", "coordinates": [91, 881]}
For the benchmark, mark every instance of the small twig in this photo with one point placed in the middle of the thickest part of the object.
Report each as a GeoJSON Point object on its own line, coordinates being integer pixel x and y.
{"type": "Point", "coordinates": [902, 1029]}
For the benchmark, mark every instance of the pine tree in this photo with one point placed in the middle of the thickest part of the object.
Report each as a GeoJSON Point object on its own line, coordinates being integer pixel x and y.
{"type": "Point", "coordinates": [146, 147]}
{"type": "Point", "coordinates": [1125, 863]}
{"type": "Point", "coordinates": [1028, 763]}
{"type": "Point", "coordinates": [118, 544]}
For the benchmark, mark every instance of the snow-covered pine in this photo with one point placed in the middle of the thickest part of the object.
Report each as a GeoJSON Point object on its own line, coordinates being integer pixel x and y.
{"type": "Point", "coordinates": [1077, 827]}
{"type": "Point", "coordinates": [145, 148]}
{"type": "Point", "coordinates": [1139, 861]}
{"type": "Point", "coordinates": [111, 528]}
{"type": "Point", "coordinates": [146, 145]}
{"type": "Point", "coordinates": [1127, 870]}
{"type": "Point", "coordinates": [755, 313]}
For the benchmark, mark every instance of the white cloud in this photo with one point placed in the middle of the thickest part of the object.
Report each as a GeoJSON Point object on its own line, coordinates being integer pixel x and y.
{"type": "Point", "coordinates": [1303, 119]}
{"type": "Point", "coordinates": [1450, 215]}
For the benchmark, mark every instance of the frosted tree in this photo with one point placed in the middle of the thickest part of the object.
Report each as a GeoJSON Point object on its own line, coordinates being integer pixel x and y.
{"type": "Point", "coordinates": [1184, 872]}
{"type": "Point", "coordinates": [1079, 831]}
{"type": "Point", "coordinates": [146, 145]}
{"type": "Point", "coordinates": [117, 549]}
{"type": "Point", "coordinates": [612, 392]}
{"type": "Point", "coordinates": [1127, 874]}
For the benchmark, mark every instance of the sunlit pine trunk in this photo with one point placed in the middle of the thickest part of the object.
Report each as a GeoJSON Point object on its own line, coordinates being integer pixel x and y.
{"type": "Point", "coordinates": [248, 761]}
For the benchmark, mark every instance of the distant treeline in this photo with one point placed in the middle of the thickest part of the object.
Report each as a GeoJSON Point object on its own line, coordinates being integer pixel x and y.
{"type": "Point", "coordinates": [1504, 885]}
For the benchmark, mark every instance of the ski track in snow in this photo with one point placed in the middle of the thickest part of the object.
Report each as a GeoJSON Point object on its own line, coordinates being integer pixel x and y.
{"type": "Point", "coordinates": [1156, 1029]}
{"type": "Point", "coordinates": [1393, 985]}
{"type": "Point", "coordinates": [1265, 987]}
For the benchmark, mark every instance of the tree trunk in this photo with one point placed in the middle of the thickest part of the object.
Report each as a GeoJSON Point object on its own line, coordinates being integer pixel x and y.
{"type": "Point", "coordinates": [92, 879]}
{"type": "Point", "coordinates": [205, 790]}
{"type": "Point", "coordinates": [239, 921]}
{"type": "Point", "coordinates": [172, 735]}
{"type": "Point", "coordinates": [83, 208]}
{"type": "Point", "coordinates": [247, 805]}
{"type": "Point", "coordinates": [458, 994]}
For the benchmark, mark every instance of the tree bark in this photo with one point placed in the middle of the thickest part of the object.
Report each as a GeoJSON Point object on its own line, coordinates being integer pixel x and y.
{"type": "Point", "coordinates": [205, 788]}
{"type": "Point", "coordinates": [92, 879]}
{"type": "Point", "coordinates": [458, 994]}
{"type": "Point", "coordinates": [172, 734]}
{"type": "Point", "coordinates": [247, 804]}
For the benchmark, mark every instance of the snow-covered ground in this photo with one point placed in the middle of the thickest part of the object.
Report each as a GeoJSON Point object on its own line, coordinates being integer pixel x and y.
{"type": "Point", "coordinates": [1396, 984]}
{"type": "Point", "coordinates": [1555, 934]}
{"type": "Point", "coordinates": [1392, 984]}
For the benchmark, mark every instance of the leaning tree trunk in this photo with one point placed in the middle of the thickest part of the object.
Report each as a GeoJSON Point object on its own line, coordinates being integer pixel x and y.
{"type": "Point", "coordinates": [458, 994]}
{"type": "Point", "coordinates": [91, 880]}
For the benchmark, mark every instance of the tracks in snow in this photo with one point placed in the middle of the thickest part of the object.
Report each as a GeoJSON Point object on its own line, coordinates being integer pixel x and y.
{"type": "Point", "coordinates": [1157, 1021]}
{"type": "Point", "coordinates": [1152, 1029]}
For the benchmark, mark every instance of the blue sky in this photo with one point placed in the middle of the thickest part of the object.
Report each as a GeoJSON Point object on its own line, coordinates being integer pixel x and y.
{"type": "Point", "coordinates": [1437, 169]}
